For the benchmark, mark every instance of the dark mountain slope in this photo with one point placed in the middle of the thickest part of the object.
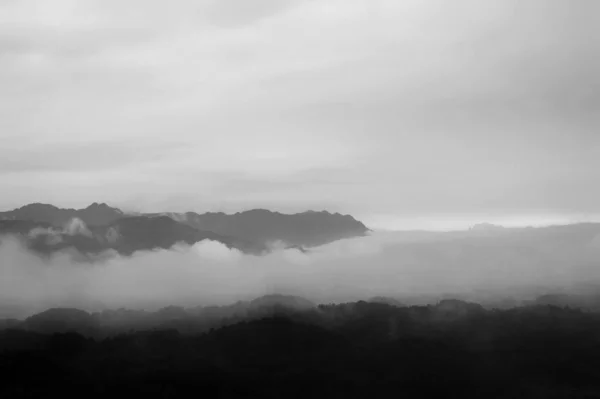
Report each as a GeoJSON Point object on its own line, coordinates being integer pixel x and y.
{"type": "Point", "coordinates": [125, 235]}
{"type": "Point", "coordinates": [61, 320]}
{"type": "Point", "coordinates": [140, 232]}
{"type": "Point", "coordinates": [21, 226]}
{"type": "Point", "coordinates": [95, 214]}
{"type": "Point", "coordinates": [244, 230]}
{"type": "Point", "coordinates": [372, 350]}
{"type": "Point", "coordinates": [260, 225]}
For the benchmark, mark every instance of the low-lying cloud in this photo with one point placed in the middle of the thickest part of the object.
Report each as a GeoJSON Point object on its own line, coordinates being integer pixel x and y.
{"type": "Point", "coordinates": [209, 273]}
{"type": "Point", "coordinates": [77, 226]}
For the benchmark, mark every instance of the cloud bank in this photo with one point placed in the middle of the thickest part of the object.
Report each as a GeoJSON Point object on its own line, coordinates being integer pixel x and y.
{"type": "Point", "coordinates": [384, 105]}
{"type": "Point", "coordinates": [208, 273]}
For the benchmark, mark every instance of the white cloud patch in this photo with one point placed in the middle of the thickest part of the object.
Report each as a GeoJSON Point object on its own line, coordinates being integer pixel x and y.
{"type": "Point", "coordinates": [216, 251]}
{"type": "Point", "coordinates": [52, 235]}
{"type": "Point", "coordinates": [38, 231]}
{"type": "Point", "coordinates": [77, 226]}
{"type": "Point", "coordinates": [112, 235]}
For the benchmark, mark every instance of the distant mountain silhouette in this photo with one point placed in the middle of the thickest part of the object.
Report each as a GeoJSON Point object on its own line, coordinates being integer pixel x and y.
{"type": "Point", "coordinates": [99, 227]}
{"type": "Point", "coordinates": [125, 236]}
{"type": "Point", "coordinates": [305, 229]}
{"type": "Point", "coordinates": [142, 232]}
{"type": "Point", "coordinates": [21, 226]}
{"type": "Point", "coordinates": [95, 214]}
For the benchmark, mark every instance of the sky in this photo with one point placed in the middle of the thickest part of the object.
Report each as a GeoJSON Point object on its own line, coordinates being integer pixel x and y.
{"type": "Point", "coordinates": [402, 113]}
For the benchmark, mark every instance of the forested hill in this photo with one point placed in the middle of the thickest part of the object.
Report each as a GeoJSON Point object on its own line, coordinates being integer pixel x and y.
{"type": "Point", "coordinates": [451, 349]}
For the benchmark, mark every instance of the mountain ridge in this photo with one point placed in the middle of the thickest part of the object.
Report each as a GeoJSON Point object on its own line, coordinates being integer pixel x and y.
{"type": "Point", "coordinates": [100, 227]}
{"type": "Point", "coordinates": [309, 228]}
{"type": "Point", "coordinates": [95, 214]}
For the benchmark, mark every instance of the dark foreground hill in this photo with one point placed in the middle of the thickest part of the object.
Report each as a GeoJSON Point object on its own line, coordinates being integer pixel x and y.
{"type": "Point", "coordinates": [453, 349]}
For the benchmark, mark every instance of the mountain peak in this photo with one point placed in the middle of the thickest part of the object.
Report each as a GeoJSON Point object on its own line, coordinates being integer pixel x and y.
{"type": "Point", "coordinates": [103, 207]}
{"type": "Point", "coordinates": [258, 211]}
{"type": "Point", "coordinates": [96, 214]}
{"type": "Point", "coordinates": [260, 225]}
{"type": "Point", "coordinates": [37, 205]}
{"type": "Point", "coordinates": [254, 229]}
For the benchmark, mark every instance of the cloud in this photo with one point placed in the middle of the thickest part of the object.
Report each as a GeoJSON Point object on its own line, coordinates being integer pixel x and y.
{"type": "Point", "coordinates": [112, 235]}
{"type": "Point", "coordinates": [378, 265]}
{"type": "Point", "coordinates": [216, 251]}
{"type": "Point", "coordinates": [38, 231]}
{"type": "Point", "coordinates": [77, 226]}
{"type": "Point", "coordinates": [52, 236]}
{"type": "Point", "coordinates": [234, 13]}
{"type": "Point", "coordinates": [209, 100]}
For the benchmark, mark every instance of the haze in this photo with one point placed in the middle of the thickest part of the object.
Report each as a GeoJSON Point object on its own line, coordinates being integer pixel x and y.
{"type": "Point", "coordinates": [398, 266]}
{"type": "Point", "coordinates": [428, 114]}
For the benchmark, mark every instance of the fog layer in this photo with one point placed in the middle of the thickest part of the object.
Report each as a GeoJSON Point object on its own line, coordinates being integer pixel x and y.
{"type": "Point", "coordinates": [477, 266]}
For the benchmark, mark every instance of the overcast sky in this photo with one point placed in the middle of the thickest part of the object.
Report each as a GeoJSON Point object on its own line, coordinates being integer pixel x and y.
{"type": "Point", "coordinates": [397, 112]}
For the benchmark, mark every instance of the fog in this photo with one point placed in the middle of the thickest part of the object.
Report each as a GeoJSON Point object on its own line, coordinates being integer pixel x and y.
{"type": "Point", "coordinates": [208, 273]}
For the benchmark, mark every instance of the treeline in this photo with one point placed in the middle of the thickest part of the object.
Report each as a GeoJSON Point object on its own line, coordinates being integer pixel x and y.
{"type": "Point", "coordinates": [452, 350]}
